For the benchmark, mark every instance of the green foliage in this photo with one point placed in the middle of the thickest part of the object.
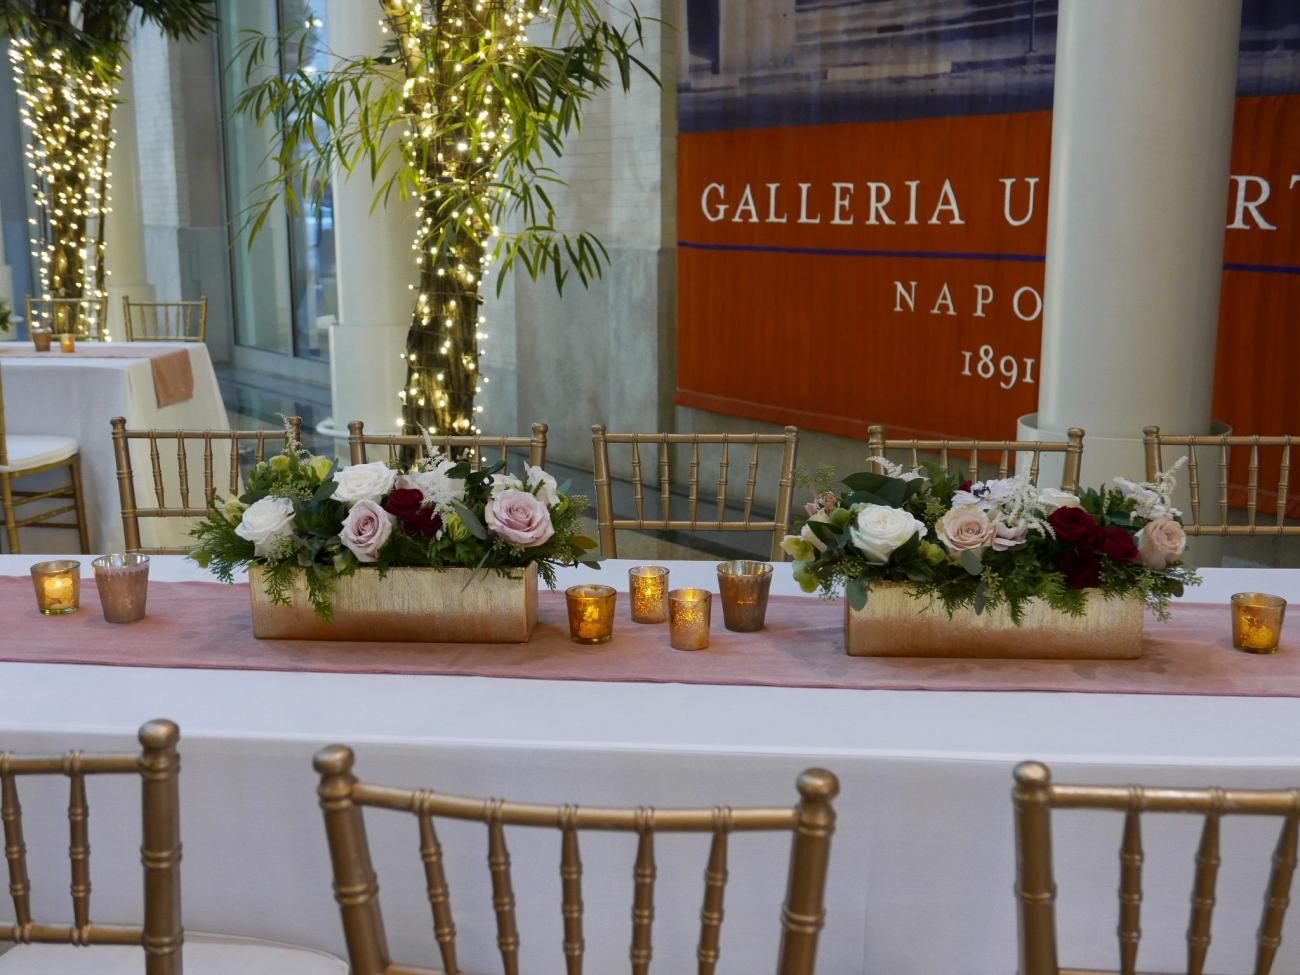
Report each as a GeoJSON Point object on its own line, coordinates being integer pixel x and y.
{"type": "Point", "coordinates": [6, 316]}
{"type": "Point", "coordinates": [97, 30]}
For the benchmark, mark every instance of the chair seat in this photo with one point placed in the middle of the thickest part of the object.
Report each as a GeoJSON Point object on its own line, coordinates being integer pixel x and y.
{"type": "Point", "coordinates": [202, 956]}
{"type": "Point", "coordinates": [33, 450]}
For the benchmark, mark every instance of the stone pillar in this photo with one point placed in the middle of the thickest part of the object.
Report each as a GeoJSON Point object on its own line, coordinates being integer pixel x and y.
{"type": "Point", "coordinates": [1141, 135]}
{"type": "Point", "coordinates": [376, 266]}
{"type": "Point", "coordinates": [124, 253]}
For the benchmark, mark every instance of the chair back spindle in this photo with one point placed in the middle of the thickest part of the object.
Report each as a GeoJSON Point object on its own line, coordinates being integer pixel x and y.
{"type": "Point", "coordinates": [1006, 453]}
{"type": "Point", "coordinates": [662, 444]}
{"type": "Point", "coordinates": [342, 798]}
{"type": "Point", "coordinates": [474, 449]}
{"type": "Point", "coordinates": [165, 321]}
{"type": "Point", "coordinates": [1035, 795]}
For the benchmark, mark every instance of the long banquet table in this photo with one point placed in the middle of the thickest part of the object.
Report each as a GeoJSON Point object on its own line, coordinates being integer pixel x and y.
{"type": "Point", "coordinates": [921, 876]}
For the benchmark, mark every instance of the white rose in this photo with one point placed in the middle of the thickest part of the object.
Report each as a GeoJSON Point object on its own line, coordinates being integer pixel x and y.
{"type": "Point", "coordinates": [364, 482]}
{"type": "Point", "coordinates": [266, 523]}
{"type": "Point", "coordinates": [437, 488]}
{"type": "Point", "coordinates": [1161, 543]}
{"type": "Point", "coordinates": [505, 482]}
{"type": "Point", "coordinates": [1049, 499]}
{"type": "Point", "coordinates": [880, 530]}
{"type": "Point", "coordinates": [543, 485]}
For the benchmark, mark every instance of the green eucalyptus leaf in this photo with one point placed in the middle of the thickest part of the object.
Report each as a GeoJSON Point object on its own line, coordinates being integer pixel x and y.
{"type": "Point", "coordinates": [971, 562]}
{"type": "Point", "coordinates": [856, 590]}
{"type": "Point", "coordinates": [472, 524]}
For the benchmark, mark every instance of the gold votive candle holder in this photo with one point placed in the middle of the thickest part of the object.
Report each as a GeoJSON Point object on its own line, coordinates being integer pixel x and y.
{"type": "Point", "coordinates": [58, 586]}
{"type": "Point", "coordinates": [67, 342]}
{"type": "Point", "coordinates": [648, 585]}
{"type": "Point", "coordinates": [1257, 621]}
{"type": "Point", "coordinates": [744, 585]}
{"type": "Point", "coordinates": [41, 338]}
{"type": "Point", "coordinates": [123, 583]}
{"type": "Point", "coordinates": [688, 618]}
{"type": "Point", "coordinates": [591, 613]}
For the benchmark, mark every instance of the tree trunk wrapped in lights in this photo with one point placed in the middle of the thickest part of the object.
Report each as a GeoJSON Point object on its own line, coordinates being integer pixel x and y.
{"type": "Point", "coordinates": [475, 100]}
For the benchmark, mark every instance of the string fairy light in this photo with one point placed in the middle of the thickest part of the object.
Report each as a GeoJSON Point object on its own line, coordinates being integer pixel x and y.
{"type": "Point", "coordinates": [67, 107]}
{"type": "Point", "coordinates": [457, 130]}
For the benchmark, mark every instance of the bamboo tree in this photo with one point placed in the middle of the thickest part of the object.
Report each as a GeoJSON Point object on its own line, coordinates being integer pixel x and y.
{"type": "Point", "coordinates": [457, 117]}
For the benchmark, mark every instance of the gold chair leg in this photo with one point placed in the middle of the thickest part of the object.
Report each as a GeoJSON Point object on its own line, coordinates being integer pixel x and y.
{"type": "Point", "coordinates": [11, 516]}
{"type": "Point", "coordinates": [83, 530]}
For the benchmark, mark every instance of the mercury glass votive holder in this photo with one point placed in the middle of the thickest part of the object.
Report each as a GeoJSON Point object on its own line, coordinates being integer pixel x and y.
{"type": "Point", "coordinates": [648, 585]}
{"type": "Point", "coordinates": [41, 338]}
{"type": "Point", "coordinates": [1257, 621]}
{"type": "Point", "coordinates": [689, 614]}
{"type": "Point", "coordinates": [58, 586]}
{"type": "Point", "coordinates": [591, 613]}
{"type": "Point", "coordinates": [67, 342]}
{"type": "Point", "coordinates": [744, 585]}
{"type": "Point", "coordinates": [123, 583]}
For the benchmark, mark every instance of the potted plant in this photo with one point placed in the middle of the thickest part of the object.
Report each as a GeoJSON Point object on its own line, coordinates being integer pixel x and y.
{"type": "Point", "coordinates": [936, 567]}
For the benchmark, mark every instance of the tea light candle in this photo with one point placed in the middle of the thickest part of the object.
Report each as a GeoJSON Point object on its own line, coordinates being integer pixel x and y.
{"type": "Point", "coordinates": [744, 585]}
{"type": "Point", "coordinates": [689, 617]}
{"type": "Point", "coordinates": [67, 342]}
{"type": "Point", "coordinates": [591, 613]}
{"type": "Point", "coordinates": [41, 339]}
{"type": "Point", "coordinates": [123, 583]}
{"type": "Point", "coordinates": [1257, 621]}
{"type": "Point", "coordinates": [58, 586]}
{"type": "Point", "coordinates": [649, 587]}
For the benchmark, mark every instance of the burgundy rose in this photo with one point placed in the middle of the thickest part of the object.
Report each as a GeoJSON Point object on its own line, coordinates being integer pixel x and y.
{"type": "Point", "coordinates": [1073, 526]}
{"type": "Point", "coordinates": [423, 524]}
{"type": "Point", "coordinates": [404, 502]}
{"type": "Point", "coordinates": [1082, 568]}
{"type": "Point", "coordinates": [1118, 545]}
{"type": "Point", "coordinates": [965, 485]}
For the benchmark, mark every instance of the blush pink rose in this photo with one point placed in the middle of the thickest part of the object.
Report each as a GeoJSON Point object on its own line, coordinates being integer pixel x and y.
{"type": "Point", "coordinates": [966, 528]}
{"type": "Point", "coordinates": [1161, 543]}
{"type": "Point", "coordinates": [520, 518]}
{"type": "Point", "coordinates": [366, 530]}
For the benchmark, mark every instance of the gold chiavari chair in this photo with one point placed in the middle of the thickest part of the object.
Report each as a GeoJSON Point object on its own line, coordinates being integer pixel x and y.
{"type": "Point", "coordinates": [343, 798]}
{"type": "Point", "coordinates": [1154, 443]}
{"type": "Point", "coordinates": [26, 455]}
{"type": "Point", "coordinates": [165, 321]}
{"type": "Point", "coordinates": [661, 444]}
{"type": "Point", "coordinates": [184, 440]}
{"type": "Point", "coordinates": [87, 318]}
{"type": "Point", "coordinates": [1035, 796]}
{"type": "Point", "coordinates": [1004, 450]}
{"type": "Point", "coordinates": [472, 447]}
{"type": "Point", "coordinates": [86, 947]}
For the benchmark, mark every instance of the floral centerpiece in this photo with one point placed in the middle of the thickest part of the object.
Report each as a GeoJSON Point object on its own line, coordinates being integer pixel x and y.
{"type": "Point", "coordinates": [997, 547]}
{"type": "Point", "coordinates": [303, 522]}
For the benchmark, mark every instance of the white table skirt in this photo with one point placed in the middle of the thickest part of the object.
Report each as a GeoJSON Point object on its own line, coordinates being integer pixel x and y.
{"type": "Point", "coordinates": [922, 865]}
{"type": "Point", "coordinates": [71, 397]}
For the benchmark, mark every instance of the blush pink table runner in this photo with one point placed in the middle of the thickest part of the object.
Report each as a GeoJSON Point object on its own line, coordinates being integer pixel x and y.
{"type": "Point", "coordinates": [207, 625]}
{"type": "Point", "coordinates": [173, 374]}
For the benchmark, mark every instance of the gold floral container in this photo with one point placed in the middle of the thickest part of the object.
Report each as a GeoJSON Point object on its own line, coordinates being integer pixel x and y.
{"type": "Point", "coordinates": [895, 624]}
{"type": "Point", "coordinates": [406, 606]}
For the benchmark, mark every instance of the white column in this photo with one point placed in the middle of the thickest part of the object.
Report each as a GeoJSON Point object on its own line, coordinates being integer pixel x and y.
{"type": "Point", "coordinates": [124, 255]}
{"type": "Point", "coordinates": [1141, 134]}
{"type": "Point", "coordinates": [375, 266]}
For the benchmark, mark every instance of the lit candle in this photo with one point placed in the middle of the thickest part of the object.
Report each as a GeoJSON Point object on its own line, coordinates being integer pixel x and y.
{"type": "Point", "coordinates": [1257, 621]}
{"type": "Point", "coordinates": [744, 585]}
{"type": "Point", "coordinates": [58, 586]}
{"type": "Point", "coordinates": [591, 613]}
{"type": "Point", "coordinates": [123, 583]}
{"type": "Point", "coordinates": [67, 342]}
{"type": "Point", "coordinates": [649, 588]}
{"type": "Point", "coordinates": [689, 616]}
{"type": "Point", "coordinates": [41, 339]}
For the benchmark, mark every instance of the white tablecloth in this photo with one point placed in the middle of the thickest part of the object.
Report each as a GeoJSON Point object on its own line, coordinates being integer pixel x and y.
{"type": "Point", "coordinates": [921, 876]}
{"type": "Point", "coordinates": [70, 397]}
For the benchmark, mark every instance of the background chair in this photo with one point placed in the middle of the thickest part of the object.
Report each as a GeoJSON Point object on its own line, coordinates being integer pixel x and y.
{"type": "Point", "coordinates": [411, 449]}
{"type": "Point", "coordinates": [246, 447]}
{"type": "Point", "coordinates": [1154, 443]}
{"type": "Point", "coordinates": [87, 318]}
{"type": "Point", "coordinates": [1005, 451]}
{"type": "Point", "coordinates": [26, 455]}
{"type": "Point", "coordinates": [343, 797]}
{"type": "Point", "coordinates": [660, 445]}
{"type": "Point", "coordinates": [85, 947]}
{"type": "Point", "coordinates": [165, 321]}
{"type": "Point", "coordinates": [1035, 796]}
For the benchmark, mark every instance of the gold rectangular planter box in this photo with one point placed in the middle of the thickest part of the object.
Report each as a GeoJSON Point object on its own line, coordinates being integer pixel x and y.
{"type": "Point", "coordinates": [894, 624]}
{"type": "Point", "coordinates": [406, 606]}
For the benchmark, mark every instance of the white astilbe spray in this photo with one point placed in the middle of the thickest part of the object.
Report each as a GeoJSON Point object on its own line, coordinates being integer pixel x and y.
{"type": "Point", "coordinates": [292, 445]}
{"type": "Point", "coordinates": [1021, 508]}
{"type": "Point", "coordinates": [432, 455]}
{"type": "Point", "coordinates": [1153, 499]}
{"type": "Point", "coordinates": [895, 470]}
